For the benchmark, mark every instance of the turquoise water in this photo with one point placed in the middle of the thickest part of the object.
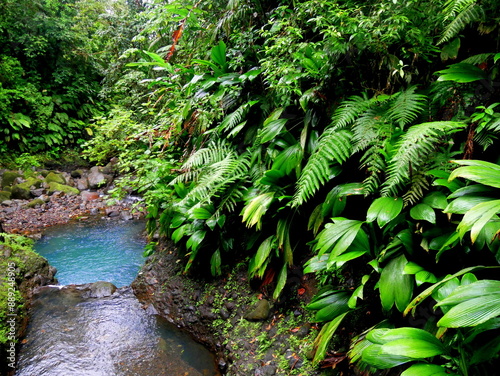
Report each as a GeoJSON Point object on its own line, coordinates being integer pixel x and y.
{"type": "Point", "coordinates": [90, 251]}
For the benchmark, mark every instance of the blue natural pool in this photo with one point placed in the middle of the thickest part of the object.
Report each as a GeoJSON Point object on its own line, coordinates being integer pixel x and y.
{"type": "Point", "coordinates": [90, 251]}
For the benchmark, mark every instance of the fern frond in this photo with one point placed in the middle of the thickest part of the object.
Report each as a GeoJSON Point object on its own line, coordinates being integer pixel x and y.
{"type": "Point", "coordinates": [471, 13]}
{"type": "Point", "coordinates": [418, 186]}
{"type": "Point", "coordinates": [349, 111]}
{"type": "Point", "coordinates": [374, 163]}
{"type": "Point", "coordinates": [478, 59]}
{"type": "Point", "coordinates": [333, 146]}
{"type": "Point", "coordinates": [406, 107]}
{"type": "Point", "coordinates": [236, 117]}
{"type": "Point", "coordinates": [368, 128]}
{"type": "Point", "coordinates": [453, 7]}
{"type": "Point", "coordinates": [415, 148]}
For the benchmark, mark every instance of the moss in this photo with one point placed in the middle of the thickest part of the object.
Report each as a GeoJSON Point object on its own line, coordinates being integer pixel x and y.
{"type": "Point", "coordinates": [53, 177]}
{"type": "Point", "coordinates": [9, 177]}
{"type": "Point", "coordinates": [4, 195]}
{"type": "Point", "coordinates": [35, 202]}
{"type": "Point", "coordinates": [56, 187]}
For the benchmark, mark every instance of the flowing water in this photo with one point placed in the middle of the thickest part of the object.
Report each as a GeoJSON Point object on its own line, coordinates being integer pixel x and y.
{"type": "Point", "coordinates": [74, 333]}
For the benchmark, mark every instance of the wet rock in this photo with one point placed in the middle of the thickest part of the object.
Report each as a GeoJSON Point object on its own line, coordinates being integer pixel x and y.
{"type": "Point", "coordinates": [112, 213]}
{"type": "Point", "coordinates": [54, 177]}
{"type": "Point", "coordinates": [82, 184]}
{"type": "Point", "coordinates": [259, 312]}
{"type": "Point", "coordinates": [37, 192]}
{"type": "Point", "coordinates": [89, 196]}
{"type": "Point", "coordinates": [56, 187]}
{"type": "Point", "coordinates": [126, 216]}
{"type": "Point", "coordinates": [9, 177]}
{"type": "Point", "coordinates": [96, 178]}
{"type": "Point", "coordinates": [101, 289]}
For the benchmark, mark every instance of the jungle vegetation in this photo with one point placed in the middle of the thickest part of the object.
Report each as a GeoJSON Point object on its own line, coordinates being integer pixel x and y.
{"type": "Point", "coordinates": [354, 140]}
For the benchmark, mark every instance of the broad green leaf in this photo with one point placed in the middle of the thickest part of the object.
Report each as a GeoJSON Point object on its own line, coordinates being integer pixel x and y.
{"type": "Point", "coordinates": [262, 254]}
{"type": "Point", "coordinates": [280, 283]}
{"type": "Point", "coordinates": [469, 291]}
{"type": "Point", "coordinates": [436, 200]}
{"type": "Point", "coordinates": [413, 348]}
{"type": "Point", "coordinates": [256, 208]}
{"type": "Point", "coordinates": [374, 356]}
{"type": "Point", "coordinates": [477, 217]}
{"type": "Point", "coordinates": [425, 276]}
{"type": "Point", "coordinates": [324, 300]}
{"type": "Point", "coordinates": [201, 213]}
{"type": "Point", "coordinates": [288, 159]}
{"type": "Point", "coordinates": [431, 289]}
{"type": "Point", "coordinates": [271, 130]}
{"type": "Point", "coordinates": [215, 263]}
{"type": "Point", "coordinates": [395, 286]}
{"type": "Point", "coordinates": [479, 171]}
{"type": "Point", "coordinates": [384, 210]}
{"type": "Point", "coordinates": [195, 240]}
{"type": "Point", "coordinates": [218, 55]}
{"type": "Point", "coordinates": [323, 339]}
{"type": "Point", "coordinates": [424, 369]}
{"type": "Point", "coordinates": [450, 50]}
{"type": "Point", "coordinates": [316, 263]}
{"type": "Point", "coordinates": [423, 212]}
{"type": "Point", "coordinates": [472, 312]}
{"type": "Point", "coordinates": [412, 268]}
{"type": "Point", "coordinates": [462, 73]}
{"type": "Point", "coordinates": [337, 236]}
{"type": "Point", "coordinates": [383, 336]}
{"type": "Point", "coordinates": [335, 308]}
{"type": "Point", "coordinates": [474, 190]}
{"type": "Point", "coordinates": [462, 204]}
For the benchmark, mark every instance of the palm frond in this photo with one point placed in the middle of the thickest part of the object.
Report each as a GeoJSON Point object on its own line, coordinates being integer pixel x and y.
{"type": "Point", "coordinates": [236, 117]}
{"type": "Point", "coordinates": [478, 59]}
{"type": "Point", "coordinates": [368, 128]}
{"type": "Point", "coordinates": [333, 146]}
{"type": "Point", "coordinates": [454, 7]}
{"type": "Point", "coordinates": [413, 150]}
{"type": "Point", "coordinates": [375, 164]}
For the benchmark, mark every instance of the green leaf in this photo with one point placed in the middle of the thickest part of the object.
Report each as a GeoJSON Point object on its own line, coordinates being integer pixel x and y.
{"type": "Point", "coordinates": [469, 291]}
{"type": "Point", "coordinates": [325, 335]}
{"type": "Point", "coordinates": [215, 263]}
{"type": "Point", "coordinates": [201, 213]}
{"type": "Point", "coordinates": [436, 200]}
{"type": "Point", "coordinates": [425, 276]}
{"type": "Point", "coordinates": [256, 208]}
{"type": "Point", "coordinates": [486, 351]}
{"type": "Point", "coordinates": [384, 210]}
{"type": "Point", "coordinates": [450, 50]}
{"type": "Point", "coordinates": [337, 305]}
{"type": "Point", "coordinates": [262, 255]}
{"type": "Point", "coordinates": [462, 73]}
{"type": "Point", "coordinates": [280, 283]}
{"type": "Point", "coordinates": [374, 356]}
{"type": "Point", "coordinates": [423, 212]}
{"type": "Point", "coordinates": [479, 171]}
{"type": "Point", "coordinates": [461, 205]}
{"type": "Point", "coordinates": [271, 130]}
{"type": "Point", "coordinates": [472, 312]}
{"type": "Point", "coordinates": [424, 369]}
{"type": "Point", "coordinates": [413, 348]}
{"type": "Point", "coordinates": [218, 55]}
{"type": "Point", "coordinates": [477, 217]}
{"type": "Point", "coordinates": [395, 286]}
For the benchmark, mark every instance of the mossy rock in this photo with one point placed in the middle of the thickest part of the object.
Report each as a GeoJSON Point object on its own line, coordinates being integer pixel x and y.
{"type": "Point", "coordinates": [76, 174]}
{"type": "Point", "coordinates": [259, 312]}
{"type": "Point", "coordinates": [35, 202]}
{"type": "Point", "coordinates": [4, 195]}
{"type": "Point", "coordinates": [56, 187]}
{"type": "Point", "coordinates": [23, 191]}
{"type": "Point", "coordinates": [54, 177]}
{"type": "Point", "coordinates": [9, 177]}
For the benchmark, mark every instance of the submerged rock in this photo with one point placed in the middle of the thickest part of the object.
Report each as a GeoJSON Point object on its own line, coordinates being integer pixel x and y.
{"type": "Point", "coordinates": [101, 289]}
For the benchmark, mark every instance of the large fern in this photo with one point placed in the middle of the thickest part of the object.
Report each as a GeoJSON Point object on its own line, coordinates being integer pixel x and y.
{"type": "Point", "coordinates": [217, 171]}
{"type": "Point", "coordinates": [461, 13]}
{"type": "Point", "coordinates": [334, 146]}
{"type": "Point", "coordinates": [413, 150]}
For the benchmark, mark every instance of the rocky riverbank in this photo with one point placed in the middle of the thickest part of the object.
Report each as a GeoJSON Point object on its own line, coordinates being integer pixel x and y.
{"type": "Point", "coordinates": [250, 334]}
{"type": "Point", "coordinates": [33, 200]}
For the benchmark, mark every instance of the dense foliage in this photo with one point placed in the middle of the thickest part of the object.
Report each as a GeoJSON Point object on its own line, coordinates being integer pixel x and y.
{"type": "Point", "coordinates": [359, 136]}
